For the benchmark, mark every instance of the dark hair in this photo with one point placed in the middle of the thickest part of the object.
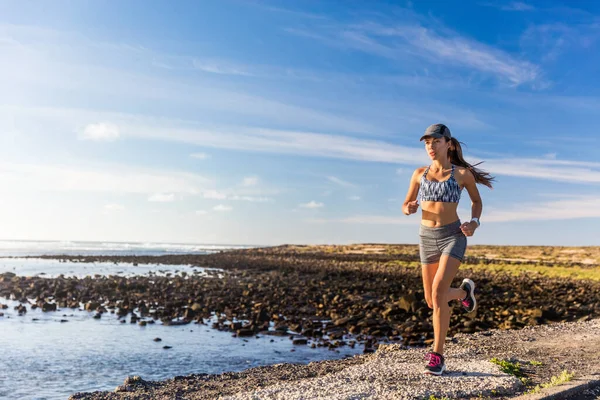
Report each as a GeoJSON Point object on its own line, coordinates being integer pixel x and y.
{"type": "Point", "coordinates": [456, 158]}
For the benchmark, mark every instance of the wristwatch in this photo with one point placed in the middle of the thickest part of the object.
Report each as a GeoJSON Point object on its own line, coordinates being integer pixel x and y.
{"type": "Point", "coordinates": [476, 220]}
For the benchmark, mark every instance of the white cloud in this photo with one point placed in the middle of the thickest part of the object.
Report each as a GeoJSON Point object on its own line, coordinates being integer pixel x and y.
{"type": "Point", "coordinates": [162, 197]}
{"type": "Point", "coordinates": [367, 220]}
{"type": "Point", "coordinates": [250, 198]}
{"type": "Point", "coordinates": [564, 209]}
{"type": "Point", "coordinates": [400, 171]}
{"type": "Point", "coordinates": [312, 204]}
{"type": "Point", "coordinates": [250, 181]}
{"type": "Point", "coordinates": [214, 194]}
{"type": "Point", "coordinates": [355, 198]}
{"type": "Point", "coordinates": [220, 67]}
{"type": "Point", "coordinates": [512, 6]}
{"type": "Point", "coordinates": [548, 169]}
{"type": "Point", "coordinates": [318, 145]}
{"type": "Point", "coordinates": [405, 40]}
{"type": "Point", "coordinates": [201, 212]}
{"type": "Point", "coordinates": [287, 142]}
{"type": "Point", "coordinates": [517, 6]}
{"type": "Point", "coordinates": [222, 207]}
{"type": "Point", "coordinates": [217, 195]}
{"type": "Point", "coordinates": [101, 132]}
{"type": "Point", "coordinates": [340, 182]}
{"type": "Point", "coordinates": [582, 207]}
{"type": "Point", "coordinates": [114, 207]}
{"type": "Point", "coordinates": [98, 178]}
{"type": "Point", "coordinates": [200, 156]}
{"type": "Point", "coordinates": [548, 41]}
{"type": "Point", "coordinates": [458, 50]}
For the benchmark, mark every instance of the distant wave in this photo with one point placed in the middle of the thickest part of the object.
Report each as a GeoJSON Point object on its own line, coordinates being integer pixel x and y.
{"type": "Point", "coordinates": [41, 247]}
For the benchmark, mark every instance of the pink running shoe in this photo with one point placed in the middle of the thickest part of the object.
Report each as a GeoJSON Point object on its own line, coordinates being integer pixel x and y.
{"type": "Point", "coordinates": [469, 303]}
{"type": "Point", "coordinates": [436, 365]}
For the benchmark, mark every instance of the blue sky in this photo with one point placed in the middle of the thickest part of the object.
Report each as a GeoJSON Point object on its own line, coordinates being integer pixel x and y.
{"type": "Point", "coordinates": [270, 122]}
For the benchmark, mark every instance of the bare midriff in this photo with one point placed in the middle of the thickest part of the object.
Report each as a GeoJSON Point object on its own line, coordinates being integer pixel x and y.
{"type": "Point", "coordinates": [435, 213]}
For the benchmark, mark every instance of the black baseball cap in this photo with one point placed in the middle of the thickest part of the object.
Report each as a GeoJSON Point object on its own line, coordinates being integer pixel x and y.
{"type": "Point", "coordinates": [436, 131]}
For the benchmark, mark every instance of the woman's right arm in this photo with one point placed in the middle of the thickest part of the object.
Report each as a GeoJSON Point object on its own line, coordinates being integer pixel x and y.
{"type": "Point", "coordinates": [410, 204]}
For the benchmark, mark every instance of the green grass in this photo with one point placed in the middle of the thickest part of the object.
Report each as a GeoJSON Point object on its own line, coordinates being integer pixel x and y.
{"type": "Point", "coordinates": [510, 368]}
{"type": "Point", "coordinates": [564, 376]}
{"type": "Point", "coordinates": [520, 269]}
{"type": "Point", "coordinates": [546, 271]}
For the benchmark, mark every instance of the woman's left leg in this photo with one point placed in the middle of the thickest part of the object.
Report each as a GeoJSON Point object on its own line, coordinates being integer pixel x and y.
{"type": "Point", "coordinates": [442, 293]}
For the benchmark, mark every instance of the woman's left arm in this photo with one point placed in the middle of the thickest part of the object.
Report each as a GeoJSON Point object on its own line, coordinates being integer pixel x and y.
{"type": "Point", "coordinates": [468, 181]}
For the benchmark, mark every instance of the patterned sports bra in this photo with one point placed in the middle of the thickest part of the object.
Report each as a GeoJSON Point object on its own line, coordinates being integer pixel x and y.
{"type": "Point", "coordinates": [447, 191]}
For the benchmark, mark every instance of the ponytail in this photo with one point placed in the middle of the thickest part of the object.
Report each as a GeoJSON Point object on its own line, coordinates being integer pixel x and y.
{"type": "Point", "coordinates": [456, 158]}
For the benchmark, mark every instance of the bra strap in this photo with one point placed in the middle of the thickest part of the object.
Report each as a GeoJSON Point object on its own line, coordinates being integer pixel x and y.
{"type": "Point", "coordinates": [452, 172]}
{"type": "Point", "coordinates": [426, 171]}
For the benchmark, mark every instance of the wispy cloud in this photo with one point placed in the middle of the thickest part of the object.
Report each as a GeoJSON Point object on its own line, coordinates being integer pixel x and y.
{"type": "Point", "coordinates": [564, 209]}
{"type": "Point", "coordinates": [512, 6]}
{"type": "Point", "coordinates": [551, 40]}
{"type": "Point", "coordinates": [295, 13]}
{"type": "Point", "coordinates": [101, 178]}
{"type": "Point", "coordinates": [253, 199]}
{"type": "Point", "coordinates": [214, 194]}
{"type": "Point", "coordinates": [366, 220]}
{"type": "Point", "coordinates": [340, 182]}
{"type": "Point", "coordinates": [250, 181]}
{"type": "Point", "coordinates": [582, 207]}
{"type": "Point", "coordinates": [288, 142]}
{"type": "Point", "coordinates": [200, 156]}
{"type": "Point", "coordinates": [222, 207]}
{"type": "Point", "coordinates": [100, 132]}
{"type": "Point", "coordinates": [219, 195]}
{"type": "Point", "coordinates": [518, 6]}
{"type": "Point", "coordinates": [220, 67]}
{"type": "Point", "coordinates": [354, 198]}
{"type": "Point", "coordinates": [201, 212]}
{"type": "Point", "coordinates": [548, 169]}
{"type": "Point", "coordinates": [162, 197]}
{"type": "Point", "coordinates": [114, 207]}
{"type": "Point", "coordinates": [458, 50]}
{"type": "Point", "coordinates": [321, 145]}
{"type": "Point", "coordinates": [404, 40]}
{"type": "Point", "coordinates": [128, 84]}
{"type": "Point", "coordinates": [312, 204]}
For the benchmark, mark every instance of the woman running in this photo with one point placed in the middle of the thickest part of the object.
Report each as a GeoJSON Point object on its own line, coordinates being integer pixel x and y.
{"type": "Point", "coordinates": [443, 239]}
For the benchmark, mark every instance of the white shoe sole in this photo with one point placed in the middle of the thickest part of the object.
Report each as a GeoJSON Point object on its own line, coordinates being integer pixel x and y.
{"type": "Point", "coordinates": [472, 293]}
{"type": "Point", "coordinates": [428, 372]}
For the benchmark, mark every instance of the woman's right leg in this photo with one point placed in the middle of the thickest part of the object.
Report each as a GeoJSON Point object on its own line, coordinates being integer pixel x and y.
{"type": "Point", "coordinates": [428, 271]}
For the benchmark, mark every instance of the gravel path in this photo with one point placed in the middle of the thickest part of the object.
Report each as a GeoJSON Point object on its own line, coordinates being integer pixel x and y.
{"type": "Point", "coordinates": [394, 372]}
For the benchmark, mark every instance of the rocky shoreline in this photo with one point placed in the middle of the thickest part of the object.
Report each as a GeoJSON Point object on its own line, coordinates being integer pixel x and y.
{"type": "Point", "coordinates": [323, 298]}
{"type": "Point", "coordinates": [309, 295]}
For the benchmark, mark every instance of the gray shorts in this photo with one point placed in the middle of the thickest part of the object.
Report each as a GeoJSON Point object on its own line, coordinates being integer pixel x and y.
{"type": "Point", "coordinates": [447, 239]}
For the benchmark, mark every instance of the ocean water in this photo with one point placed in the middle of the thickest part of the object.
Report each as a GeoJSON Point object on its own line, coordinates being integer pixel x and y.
{"type": "Point", "coordinates": [31, 247]}
{"type": "Point", "coordinates": [44, 358]}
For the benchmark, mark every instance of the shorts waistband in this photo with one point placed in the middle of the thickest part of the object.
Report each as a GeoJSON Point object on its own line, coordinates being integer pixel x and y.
{"type": "Point", "coordinates": [440, 231]}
